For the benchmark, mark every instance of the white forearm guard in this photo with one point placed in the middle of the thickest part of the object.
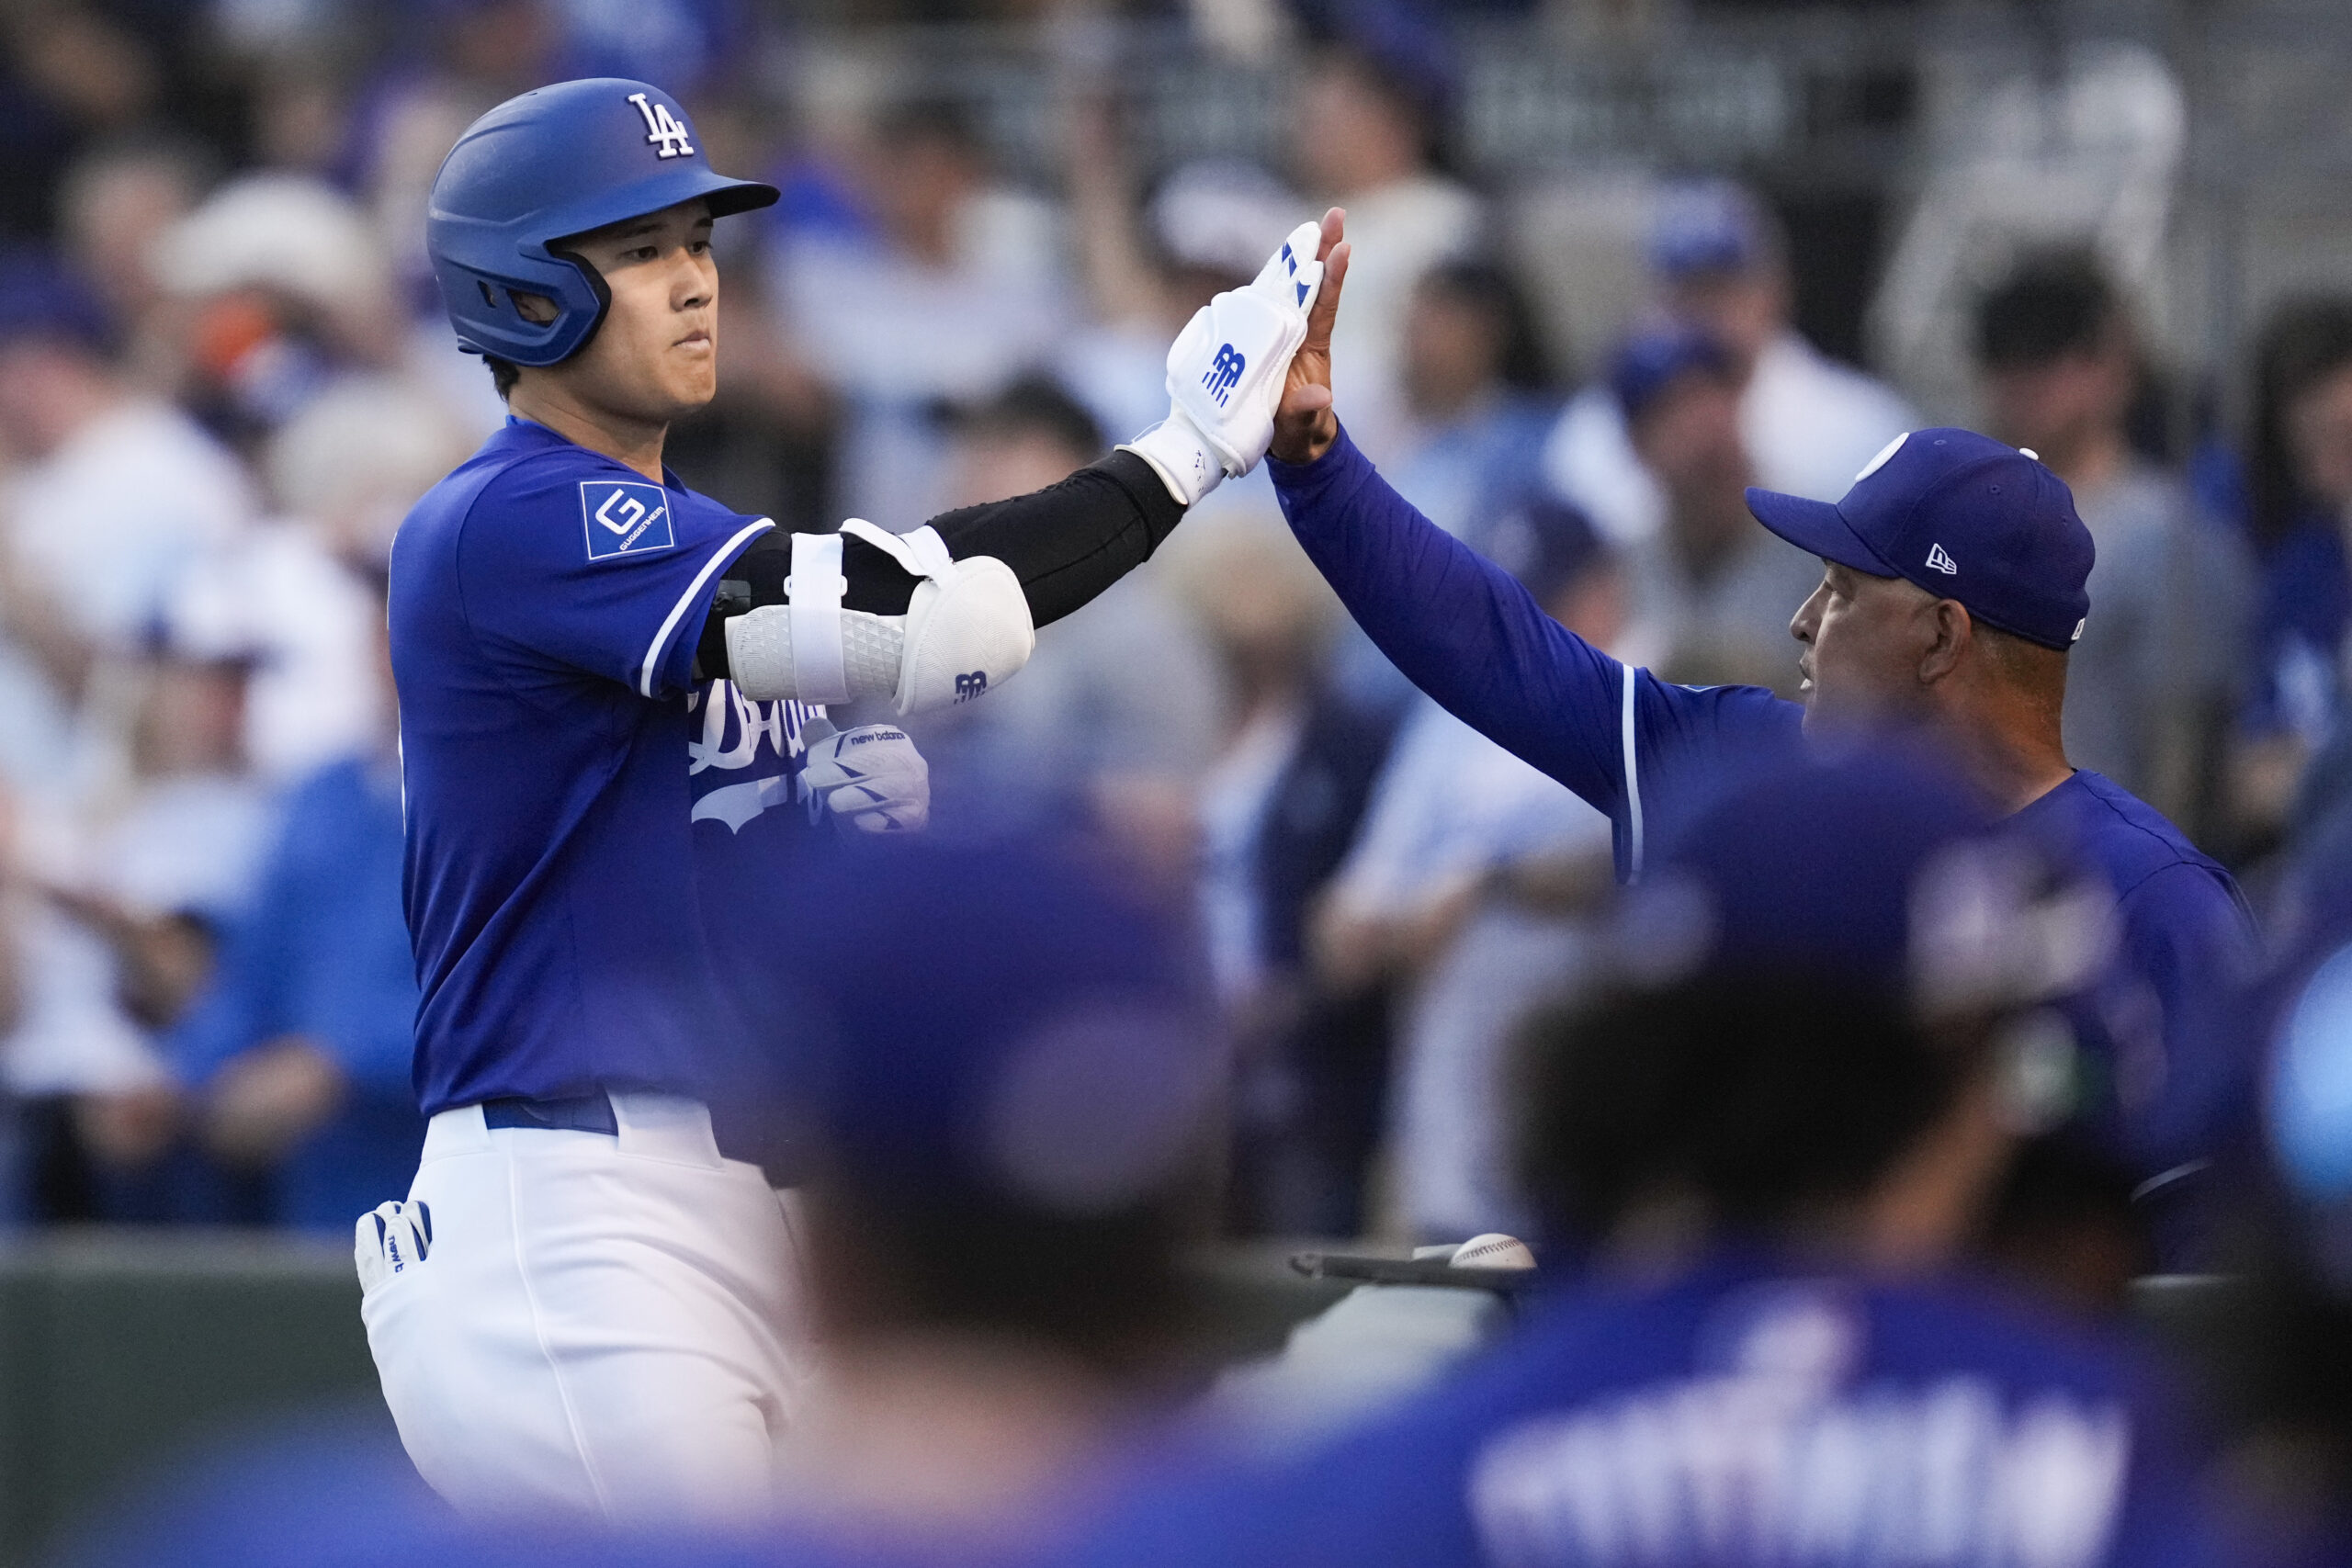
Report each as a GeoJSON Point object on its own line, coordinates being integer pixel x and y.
{"type": "Point", "coordinates": [967, 628]}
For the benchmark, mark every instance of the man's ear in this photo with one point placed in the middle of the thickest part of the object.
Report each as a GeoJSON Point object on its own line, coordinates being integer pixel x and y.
{"type": "Point", "coordinates": [536, 308]}
{"type": "Point", "coordinates": [1951, 634]}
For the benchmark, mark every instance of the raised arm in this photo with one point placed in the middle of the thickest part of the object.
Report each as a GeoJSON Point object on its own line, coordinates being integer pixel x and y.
{"type": "Point", "coordinates": [940, 615]}
{"type": "Point", "coordinates": [1465, 632]}
{"type": "Point", "coordinates": [1459, 628]}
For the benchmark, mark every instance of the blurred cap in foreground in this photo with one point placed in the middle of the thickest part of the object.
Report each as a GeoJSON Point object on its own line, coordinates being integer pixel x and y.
{"type": "Point", "coordinates": [1876, 870]}
{"type": "Point", "coordinates": [1001, 1026]}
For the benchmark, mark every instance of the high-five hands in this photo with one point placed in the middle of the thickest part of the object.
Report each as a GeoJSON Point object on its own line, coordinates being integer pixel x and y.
{"type": "Point", "coordinates": [1232, 368]}
{"type": "Point", "coordinates": [1304, 423]}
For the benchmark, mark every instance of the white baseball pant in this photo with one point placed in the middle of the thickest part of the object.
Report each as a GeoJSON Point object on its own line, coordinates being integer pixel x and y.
{"type": "Point", "coordinates": [605, 1326]}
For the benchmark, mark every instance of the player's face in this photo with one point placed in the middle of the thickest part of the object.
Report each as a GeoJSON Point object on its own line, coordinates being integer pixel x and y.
{"type": "Point", "coordinates": [656, 356]}
{"type": "Point", "coordinates": [1864, 637]}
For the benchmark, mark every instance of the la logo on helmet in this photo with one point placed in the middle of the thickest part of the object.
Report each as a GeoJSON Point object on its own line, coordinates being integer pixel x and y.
{"type": "Point", "coordinates": [661, 128]}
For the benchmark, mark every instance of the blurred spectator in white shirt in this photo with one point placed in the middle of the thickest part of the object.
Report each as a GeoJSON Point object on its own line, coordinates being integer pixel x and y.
{"type": "Point", "coordinates": [115, 500]}
{"type": "Point", "coordinates": [281, 287]}
{"type": "Point", "coordinates": [1209, 227]}
{"type": "Point", "coordinates": [1369, 117]}
{"type": "Point", "coordinates": [2151, 682]}
{"type": "Point", "coordinates": [155, 876]}
{"type": "Point", "coordinates": [1115, 718]}
{"type": "Point", "coordinates": [1462, 884]}
{"type": "Point", "coordinates": [1713, 592]}
{"type": "Point", "coordinates": [1720, 260]}
{"type": "Point", "coordinates": [942, 286]}
{"type": "Point", "coordinates": [302, 590]}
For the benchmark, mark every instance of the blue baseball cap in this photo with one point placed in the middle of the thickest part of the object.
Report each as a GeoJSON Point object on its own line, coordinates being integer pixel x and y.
{"type": "Point", "coordinates": [1651, 361]}
{"type": "Point", "coordinates": [1878, 868]}
{"type": "Point", "coordinates": [1962, 516]}
{"type": "Point", "coordinates": [1710, 226]}
{"type": "Point", "coordinates": [999, 1023]}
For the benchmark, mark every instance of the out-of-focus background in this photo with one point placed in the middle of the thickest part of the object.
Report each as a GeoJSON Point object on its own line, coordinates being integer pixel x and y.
{"type": "Point", "coordinates": [1616, 260]}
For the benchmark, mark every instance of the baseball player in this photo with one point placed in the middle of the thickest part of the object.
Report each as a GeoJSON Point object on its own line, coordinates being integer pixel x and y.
{"type": "Point", "coordinates": [1953, 586]}
{"type": "Point", "coordinates": [613, 697]}
{"type": "Point", "coordinates": [1778, 1126]}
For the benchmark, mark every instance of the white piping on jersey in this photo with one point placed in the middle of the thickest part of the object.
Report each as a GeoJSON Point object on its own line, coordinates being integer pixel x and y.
{"type": "Point", "coordinates": [1632, 778]}
{"type": "Point", "coordinates": [694, 591]}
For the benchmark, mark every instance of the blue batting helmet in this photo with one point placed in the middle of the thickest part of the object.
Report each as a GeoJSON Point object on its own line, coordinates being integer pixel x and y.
{"type": "Point", "coordinates": [540, 168]}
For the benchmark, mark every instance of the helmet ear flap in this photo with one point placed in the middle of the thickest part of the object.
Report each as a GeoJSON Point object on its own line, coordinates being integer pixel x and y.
{"type": "Point", "coordinates": [596, 285]}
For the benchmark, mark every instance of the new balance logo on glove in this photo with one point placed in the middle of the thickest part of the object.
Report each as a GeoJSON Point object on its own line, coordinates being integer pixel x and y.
{"type": "Point", "coordinates": [975, 685]}
{"type": "Point", "coordinates": [1225, 373]}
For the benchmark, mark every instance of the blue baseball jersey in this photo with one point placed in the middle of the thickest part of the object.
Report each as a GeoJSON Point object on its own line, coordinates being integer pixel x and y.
{"type": "Point", "coordinates": [1737, 1417]}
{"type": "Point", "coordinates": [1644, 751]}
{"type": "Point", "coordinates": [595, 838]}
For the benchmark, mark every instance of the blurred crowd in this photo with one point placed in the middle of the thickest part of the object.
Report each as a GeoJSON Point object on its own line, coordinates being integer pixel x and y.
{"type": "Point", "coordinates": [225, 374]}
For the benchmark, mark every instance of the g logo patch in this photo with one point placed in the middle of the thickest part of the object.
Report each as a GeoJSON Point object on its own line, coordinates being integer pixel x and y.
{"type": "Point", "coordinates": [623, 519]}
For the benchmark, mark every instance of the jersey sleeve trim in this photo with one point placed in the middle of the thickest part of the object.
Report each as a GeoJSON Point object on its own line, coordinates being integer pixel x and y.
{"type": "Point", "coordinates": [1633, 780]}
{"type": "Point", "coordinates": [697, 592]}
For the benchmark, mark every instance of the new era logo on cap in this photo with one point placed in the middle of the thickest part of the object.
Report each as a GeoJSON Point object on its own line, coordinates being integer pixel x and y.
{"type": "Point", "coordinates": [1933, 496]}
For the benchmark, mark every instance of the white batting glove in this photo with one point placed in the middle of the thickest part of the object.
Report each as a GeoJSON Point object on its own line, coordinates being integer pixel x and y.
{"type": "Point", "coordinates": [390, 1239]}
{"type": "Point", "coordinates": [1225, 373]}
{"type": "Point", "coordinates": [871, 778]}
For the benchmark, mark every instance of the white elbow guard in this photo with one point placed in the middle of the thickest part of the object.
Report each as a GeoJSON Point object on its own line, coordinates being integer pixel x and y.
{"type": "Point", "coordinates": [967, 628]}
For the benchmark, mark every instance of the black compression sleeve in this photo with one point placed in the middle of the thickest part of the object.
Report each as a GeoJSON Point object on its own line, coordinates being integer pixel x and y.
{"type": "Point", "coordinates": [1068, 542]}
{"type": "Point", "coordinates": [1065, 543]}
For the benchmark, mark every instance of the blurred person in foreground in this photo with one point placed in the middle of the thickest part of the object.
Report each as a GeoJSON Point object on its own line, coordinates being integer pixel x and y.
{"type": "Point", "coordinates": [2151, 684]}
{"type": "Point", "coordinates": [1951, 588]}
{"type": "Point", "coordinates": [1719, 260]}
{"type": "Point", "coordinates": [1003, 1163]}
{"type": "Point", "coordinates": [2300, 494]}
{"type": "Point", "coordinates": [1711, 590]}
{"type": "Point", "coordinates": [2272, 1338]}
{"type": "Point", "coordinates": [1007, 1157]}
{"type": "Point", "coordinates": [1466, 888]}
{"type": "Point", "coordinates": [1772, 1137]}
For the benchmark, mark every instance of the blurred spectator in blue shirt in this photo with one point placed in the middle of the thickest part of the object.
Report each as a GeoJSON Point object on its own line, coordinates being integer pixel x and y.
{"type": "Point", "coordinates": [298, 1052]}
{"type": "Point", "coordinates": [2299, 484]}
{"type": "Point", "coordinates": [1469, 443]}
{"type": "Point", "coordinates": [1772, 1137]}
